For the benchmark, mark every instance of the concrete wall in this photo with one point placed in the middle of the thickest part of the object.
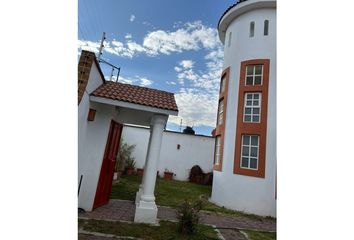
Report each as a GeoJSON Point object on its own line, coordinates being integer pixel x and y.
{"type": "Point", "coordinates": [194, 150]}
{"type": "Point", "coordinates": [249, 194]}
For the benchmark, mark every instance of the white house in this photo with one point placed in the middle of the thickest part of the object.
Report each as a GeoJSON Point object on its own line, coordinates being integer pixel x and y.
{"type": "Point", "coordinates": [245, 148]}
{"type": "Point", "coordinates": [103, 108]}
{"type": "Point", "coordinates": [179, 151]}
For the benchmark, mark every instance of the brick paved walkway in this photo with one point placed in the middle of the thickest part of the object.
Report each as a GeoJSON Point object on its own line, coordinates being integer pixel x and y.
{"type": "Point", "coordinates": [124, 210]}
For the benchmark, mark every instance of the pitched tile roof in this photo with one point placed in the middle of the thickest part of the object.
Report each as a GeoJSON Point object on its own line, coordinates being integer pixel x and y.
{"type": "Point", "coordinates": [138, 95]}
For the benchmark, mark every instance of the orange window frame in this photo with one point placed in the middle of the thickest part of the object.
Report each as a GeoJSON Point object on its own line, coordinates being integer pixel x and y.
{"type": "Point", "coordinates": [220, 129]}
{"type": "Point", "coordinates": [260, 128]}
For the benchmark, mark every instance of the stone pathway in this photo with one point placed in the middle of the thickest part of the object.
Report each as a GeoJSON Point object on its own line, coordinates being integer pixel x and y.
{"type": "Point", "coordinates": [124, 210]}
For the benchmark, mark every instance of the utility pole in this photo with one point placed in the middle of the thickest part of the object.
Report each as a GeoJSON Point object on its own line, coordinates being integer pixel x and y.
{"type": "Point", "coordinates": [101, 46]}
{"type": "Point", "coordinates": [180, 126]}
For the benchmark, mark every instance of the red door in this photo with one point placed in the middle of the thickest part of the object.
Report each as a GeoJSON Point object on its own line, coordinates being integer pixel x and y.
{"type": "Point", "coordinates": [107, 170]}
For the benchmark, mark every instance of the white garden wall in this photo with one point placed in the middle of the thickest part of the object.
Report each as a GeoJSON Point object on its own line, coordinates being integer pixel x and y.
{"type": "Point", "coordinates": [194, 150]}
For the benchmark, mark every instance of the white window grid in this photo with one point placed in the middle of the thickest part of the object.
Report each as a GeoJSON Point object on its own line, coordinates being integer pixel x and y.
{"type": "Point", "coordinates": [221, 112]}
{"type": "Point", "coordinates": [249, 152]}
{"type": "Point", "coordinates": [217, 150]}
{"type": "Point", "coordinates": [254, 74]}
{"type": "Point", "coordinates": [252, 107]}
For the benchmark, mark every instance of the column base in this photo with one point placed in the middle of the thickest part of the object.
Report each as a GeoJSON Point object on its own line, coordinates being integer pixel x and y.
{"type": "Point", "coordinates": [146, 212]}
{"type": "Point", "coordinates": [138, 194]}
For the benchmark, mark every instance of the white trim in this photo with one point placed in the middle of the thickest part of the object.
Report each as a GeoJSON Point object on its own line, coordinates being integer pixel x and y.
{"type": "Point", "coordinates": [133, 106]}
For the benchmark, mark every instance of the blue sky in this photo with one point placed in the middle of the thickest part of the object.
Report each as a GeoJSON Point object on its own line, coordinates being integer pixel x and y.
{"type": "Point", "coordinates": [168, 45]}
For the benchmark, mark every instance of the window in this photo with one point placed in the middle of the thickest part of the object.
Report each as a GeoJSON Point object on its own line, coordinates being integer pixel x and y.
{"type": "Point", "coordinates": [222, 84]}
{"type": "Point", "coordinates": [254, 75]}
{"type": "Point", "coordinates": [251, 126]}
{"type": "Point", "coordinates": [266, 26]}
{"type": "Point", "coordinates": [249, 152]}
{"type": "Point", "coordinates": [252, 29]}
{"type": "Point", "coordinates": [252, 107]}
{"type": "Point", "coordinates": [221, 112]}
{"type": "Point", "coordinates": [230, 36]}
{"type": "Point", "coordinates": [217, 150]}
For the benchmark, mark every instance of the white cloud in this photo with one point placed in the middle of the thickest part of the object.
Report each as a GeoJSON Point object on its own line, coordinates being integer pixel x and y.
{"type": "Point", "coordinates": [145, 82]}
{"type": "Point", "coordinates": [195, 108]}
{"type": "Point", "coordinates": [134, 47]}
{"type": "Point", "coordinates": [132, 18]}
{"type": "Point", "coordinates": [137, 80]}
{"type": "Point", "coordinates": [89, 46]}
{"type": "Point", "coordinates": [171, 83]}
{"type": "Point", "coordinates": [186, 63]}
{"type": "Point", "coordinates": [128, 36]}
{"type": "Point", "coordinates": [190, 36]}
{"type": "Point", "coordinates": [178, 69]}
{"type": "Point", "coordinates": [197, 101]}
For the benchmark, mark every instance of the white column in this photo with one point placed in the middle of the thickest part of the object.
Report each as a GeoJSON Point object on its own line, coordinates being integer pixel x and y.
{"type": "Point", "coordinates": [141, 186]}
{"type": "Point", "coordinates": [146, 209]}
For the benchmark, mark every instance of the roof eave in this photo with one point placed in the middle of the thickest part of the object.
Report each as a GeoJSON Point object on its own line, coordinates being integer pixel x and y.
{"type": "Point", "coordinates": [134, 106]}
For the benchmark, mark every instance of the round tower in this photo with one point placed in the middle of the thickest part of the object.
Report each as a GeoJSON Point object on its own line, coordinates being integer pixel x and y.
{"type": "Point", "coordinates": [245, 144]}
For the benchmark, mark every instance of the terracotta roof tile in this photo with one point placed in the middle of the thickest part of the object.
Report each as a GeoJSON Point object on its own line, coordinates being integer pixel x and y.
{"type": "Point", "coordinates": [138, 95]}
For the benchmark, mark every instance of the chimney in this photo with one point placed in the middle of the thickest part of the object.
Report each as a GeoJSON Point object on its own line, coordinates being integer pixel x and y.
{"type": "Point", "coordinates": [84, 69]}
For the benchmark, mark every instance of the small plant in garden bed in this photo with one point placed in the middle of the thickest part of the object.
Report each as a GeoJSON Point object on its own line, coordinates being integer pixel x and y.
{"type": "Point", "coordinates": [188, 216]}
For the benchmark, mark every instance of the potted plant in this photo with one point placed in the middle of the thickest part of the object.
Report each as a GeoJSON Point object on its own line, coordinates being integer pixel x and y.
{"type": "Point", "coordinates": [125, 159]}
{"type": "Point", "coordinates": [168, 174]}
{"type": "Point", "coordinates": [129, 167]}
{"type": "Point", "coordinates": [140, 171]}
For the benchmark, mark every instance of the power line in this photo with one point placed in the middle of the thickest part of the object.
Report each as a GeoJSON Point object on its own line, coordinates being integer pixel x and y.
{"type": "Point", "coordinates": [97, 14]}
{"type": "Point", "coordinates": [89, 19]}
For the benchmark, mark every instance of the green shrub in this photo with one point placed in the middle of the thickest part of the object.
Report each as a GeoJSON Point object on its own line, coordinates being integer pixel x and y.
{"type": "Point", "coordinates": [124, 156]}
{"type": "Point", "coordinates": [188, 216]}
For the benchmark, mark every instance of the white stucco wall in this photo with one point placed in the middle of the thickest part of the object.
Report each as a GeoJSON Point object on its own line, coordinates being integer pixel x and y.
{"type": "Point", "coordinates": [92, 137]}
{"type": "Point", "coordinates": [194, 150]}
{"type": "Point", "coordinates": [239, 192]}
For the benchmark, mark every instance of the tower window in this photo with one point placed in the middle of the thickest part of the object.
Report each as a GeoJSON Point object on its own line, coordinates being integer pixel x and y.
{"type": "Point", "coordinates": [254, 75]}
{"type": "Point", "coordinates": [252, 29]}
{"type": "Point", "coordinates": [230, 36]}
{"type": "Point", "coordinates": [217, 150]}
{"type": "Point", "coordinates": [252, 107]}
{"type": "Point", "coordinates": [221, 112]}
{"type": "Point", "coordinates": [222, 84]}
{"type": "Point", "coordinates": [266, 27]}
{"type": "Point", "coordinates": [249, 151]}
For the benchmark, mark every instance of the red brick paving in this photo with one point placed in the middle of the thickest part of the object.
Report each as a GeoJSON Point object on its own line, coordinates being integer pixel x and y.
{"type": "Point", "coordinates": [124, 210]}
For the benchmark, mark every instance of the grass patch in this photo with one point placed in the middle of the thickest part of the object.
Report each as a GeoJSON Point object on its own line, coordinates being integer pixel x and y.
{"type": "Point", "coordinates": [166, 231]}
{"type": "Point", "coordinates": [173, 193]}
{"type": "Point", "coordinates": [255, 235]}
